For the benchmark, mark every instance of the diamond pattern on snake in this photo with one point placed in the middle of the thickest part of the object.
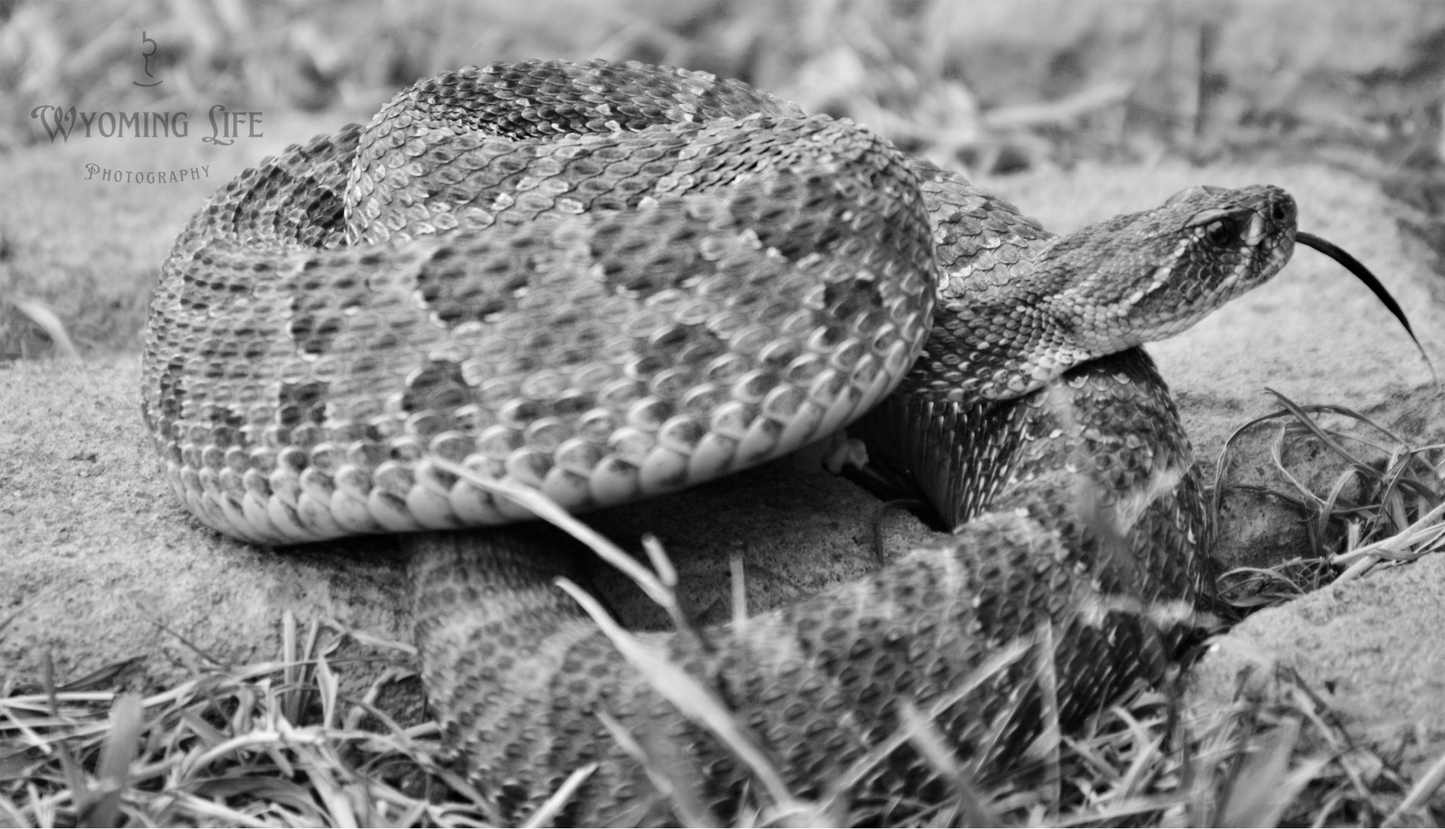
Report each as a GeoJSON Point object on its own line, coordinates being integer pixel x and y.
{"type": "Point", "coordinates": [606, 282]}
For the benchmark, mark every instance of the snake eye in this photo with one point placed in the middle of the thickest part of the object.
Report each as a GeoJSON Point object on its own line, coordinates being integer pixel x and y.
{"type": "Point", "coordinates": [1222, 233]}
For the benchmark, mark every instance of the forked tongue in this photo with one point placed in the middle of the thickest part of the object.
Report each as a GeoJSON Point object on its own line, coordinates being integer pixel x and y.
{"type": "Point", "coordinates": [1354, 266]}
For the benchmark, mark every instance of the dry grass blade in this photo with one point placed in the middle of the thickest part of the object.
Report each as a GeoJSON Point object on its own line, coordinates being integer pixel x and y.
{"type": "Point", "coordinates": [104, 675]}
{"type": "Point", "coordinates": [880, 753]}
{"type": "Point", "coordinates": [115, 759]}
{"type": "Point", "coordinates": [739, 585]}
{"type": "Point", "coordinates": [1146, 763]}
{"type": "Point", "coordinates": [1143, 756]}
{"type": "Point", "coordinates": [930, 744]}
{"type": "Point", "coordinates": [1330, 508]}
{"type": "Point", "coordinates": [329, 687]}
{"type": "Point", "coordinates": [80, 792]}
{"type": "Point", "coordinates": [1049, 740]}
{"type": "Point", "coordinates": [328, 778]}
{"type": "Point", "coordinates": [683, 796]}
{"type": "Point", "coordinates": [380, 642]}
{"type": "Point", "coordinates": [1263, 786]}
{"type": "Point", "coordinates": [1420, 793]}
{"type": "Point", "coordinates": [667, 577]}
{"type": "Point", "coordinates": [694, 700]}
{"type": "Point", "coordinates": [1258, 577]}
{"type": "Point", "coordinates": [548, 510]}
{"type": "Point", "coordinates": [10, 814]}
{"type": "Point", "coordinates": [200, 807]}
{"type": "Point", "coordinates": [1424, 536]}
{"type": "Point", "coordinates": [549, 810]}
{"type": "Point", "coordinates": [49, 322]}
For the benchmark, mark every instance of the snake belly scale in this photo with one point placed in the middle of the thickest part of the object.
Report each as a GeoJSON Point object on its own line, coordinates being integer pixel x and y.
{"type": "Point", "coordinates": [613, 281]}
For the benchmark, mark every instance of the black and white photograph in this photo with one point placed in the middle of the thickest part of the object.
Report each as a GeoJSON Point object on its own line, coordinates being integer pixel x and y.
{"type": "Point", "coordinates": [722, 413]}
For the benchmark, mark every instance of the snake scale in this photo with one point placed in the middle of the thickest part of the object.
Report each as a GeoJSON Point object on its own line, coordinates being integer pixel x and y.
{"type": "Point", "coordinates": [613, 281]}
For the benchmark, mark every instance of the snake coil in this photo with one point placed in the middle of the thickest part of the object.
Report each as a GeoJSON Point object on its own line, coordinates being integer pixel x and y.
{"type": "Point", "coordinates": [613, 281]}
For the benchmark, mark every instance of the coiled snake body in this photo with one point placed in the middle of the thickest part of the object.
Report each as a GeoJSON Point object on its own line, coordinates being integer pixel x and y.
{"type": "Point", "coordinates": [614, 281]}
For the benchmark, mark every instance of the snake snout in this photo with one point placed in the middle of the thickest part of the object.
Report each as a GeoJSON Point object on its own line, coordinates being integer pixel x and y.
{"type": "Point", "coordinates": [1248, 217]}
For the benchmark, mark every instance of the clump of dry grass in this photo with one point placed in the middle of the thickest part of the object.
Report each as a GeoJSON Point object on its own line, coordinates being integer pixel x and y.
{"type": "Point", "coordinates": [249, 748]}
{"type": "Point", "coordinates": [271, 744]}
{"type": "Point", "coordinates": [1384, 505]}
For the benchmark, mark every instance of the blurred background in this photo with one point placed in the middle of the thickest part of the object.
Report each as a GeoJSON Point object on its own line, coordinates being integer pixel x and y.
{"type": "Point", "coordinates": [990, 86]}
{"type": "Point", "coordinates": [1000, 83]}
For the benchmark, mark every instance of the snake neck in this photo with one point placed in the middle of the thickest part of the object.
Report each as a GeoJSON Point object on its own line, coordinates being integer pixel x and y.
{"type": "Point", "coordinates": [1018, 307]}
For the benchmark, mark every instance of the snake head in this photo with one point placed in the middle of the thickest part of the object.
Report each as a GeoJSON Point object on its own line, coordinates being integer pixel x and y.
{"type": "Point", "coordinates": [1204, 247]}
{"type": "Point", "coordinates": [1145, 276]}
{"type": "Point", "coordinates": [1120, 283]}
